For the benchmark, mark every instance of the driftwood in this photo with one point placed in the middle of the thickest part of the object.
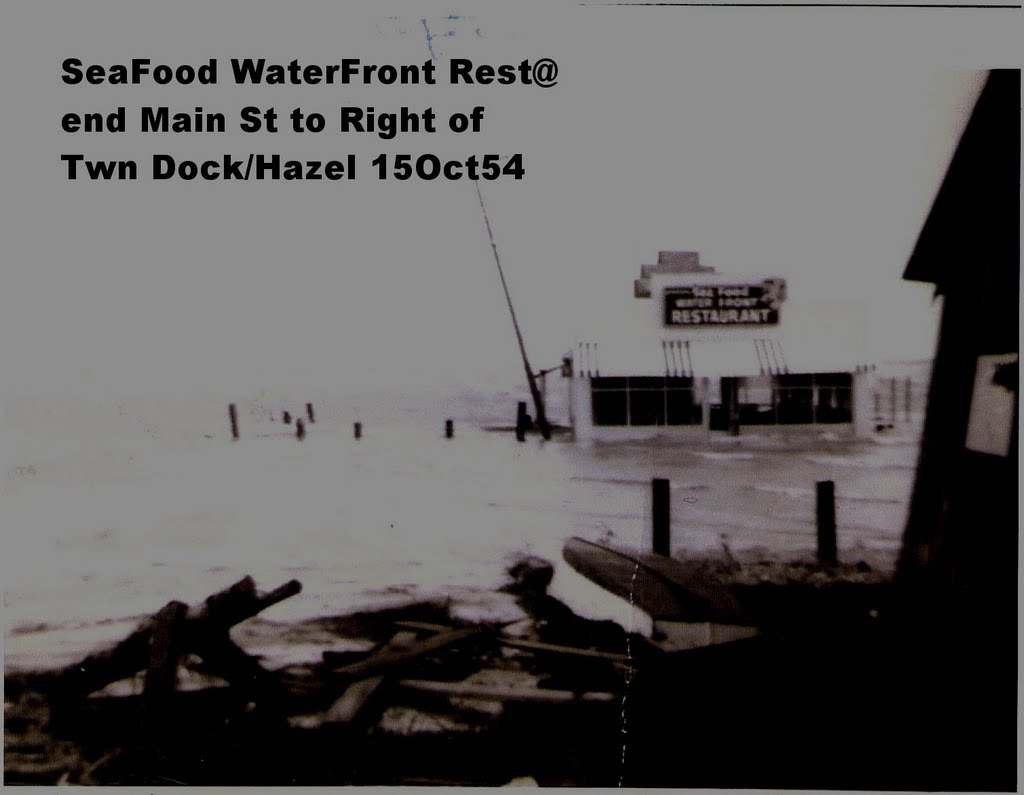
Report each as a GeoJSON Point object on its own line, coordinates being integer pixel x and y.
{"type": "Point", "coordinates": [426, 626]}
{"type": "Point", "coordinates": [530, 645]}
{"type": "Point", "coordinates": [528, 695]}
{"type": "Point", "coordinates": [348, 706]}
{"type": "Point", "coordinates": [388, 657]}
{"type": "Point", "coordinates": [554, 648]}
{"type": "Point", "coordinates": [159, 642]}
{"type": "Point", "coordinates": [164, 653]}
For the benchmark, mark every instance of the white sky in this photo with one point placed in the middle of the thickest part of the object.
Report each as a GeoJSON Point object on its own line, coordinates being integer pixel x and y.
{"type": "Point", "coordinates": [802, 144]}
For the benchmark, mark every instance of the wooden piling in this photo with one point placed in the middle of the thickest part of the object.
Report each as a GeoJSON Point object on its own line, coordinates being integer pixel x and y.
{"type": "Point", "coordinates": [826, 521]}
{"type": "Point", "coordinates": [449, 429]}
{"type": "Point", "coordinates": [661, 532]}
{"type": "Point", "coordinates": [893, 399]}
{"type": "Point", "coordinates": [300, 430]}
{"type": "Point", "coordinates": [309, 413]}
{"type": "Point", "coordinates": [907, 397]}
{"type": "Point", "coordinates": [233, 414]}
{"type": "Point", "coordinates": [286, 418]}
{"type": "Point", "coordinates": [522, 421]}
{"type": "Point", "coordinates": [731, 401]}
{"type": "Point", "coordinates": [357, 430]}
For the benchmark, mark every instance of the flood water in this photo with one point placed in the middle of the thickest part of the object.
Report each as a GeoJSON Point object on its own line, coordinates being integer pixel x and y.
{"type": "Point", "coordinates": [141, 503]}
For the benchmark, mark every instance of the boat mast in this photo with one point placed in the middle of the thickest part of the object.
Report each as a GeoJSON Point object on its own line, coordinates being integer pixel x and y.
{"type": "Point", "coordinates": [538, 401]}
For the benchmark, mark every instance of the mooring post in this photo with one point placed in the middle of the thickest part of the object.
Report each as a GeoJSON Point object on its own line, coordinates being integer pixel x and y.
{"type": "Point", "coordinates": [731, 399]}
{"type": "Point", "coordinates": [522, 421]}
{"type": "Point", "coordinates": [826, 509]}
{"type": "Point", "coordinates": [233, 414]}
{"type": "Point", "coordinates": [357, 430]}
{"type": "Point", "coordinates": [908, 398]}
{"type": "Point", "coordinates": [309, 413]}
{"type": "Point", "coordinates": [300, 430]}
{"type": "Point", "coordinates": [449, 429]}
{"type": "Point", "coordinates": [286, 418]}
{"type": "Point", "coordinates": [661, 531]}
{"type": "Point", "coordinates": [893, 399]}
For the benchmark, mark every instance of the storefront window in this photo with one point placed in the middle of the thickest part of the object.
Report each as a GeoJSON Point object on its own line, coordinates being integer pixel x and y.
{"type": "Point", "coordinates": [610, 401]}
{"type": "Point", "coordinates": [793, 399]}
{"type": "Point", "coordinates": [680, 406]}
{"type": "Point", "coordinates": [806, 399]}
{"type": "Point", "coordinates": [835, 397]}
{"type": "Point", "coordinates": [757, 402]}
{"type": "Point", "coordinates": [644, 401]}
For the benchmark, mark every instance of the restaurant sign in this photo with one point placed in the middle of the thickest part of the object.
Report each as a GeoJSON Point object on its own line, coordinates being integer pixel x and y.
{"type": "Point", "coordinates": [725, 304]}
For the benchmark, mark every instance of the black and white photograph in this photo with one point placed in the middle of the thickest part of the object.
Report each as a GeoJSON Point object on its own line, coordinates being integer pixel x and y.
{"type": "Point", "coordinates": [605, 395]}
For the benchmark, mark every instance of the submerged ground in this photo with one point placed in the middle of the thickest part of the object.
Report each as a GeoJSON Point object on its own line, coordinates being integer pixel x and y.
{"type": "Point", "coordinates": [115, 510]}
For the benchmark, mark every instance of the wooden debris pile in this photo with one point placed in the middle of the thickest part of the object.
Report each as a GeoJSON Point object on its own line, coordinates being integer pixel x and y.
{"type": "Point", "coordinates": [160, 642]}
{"type": "Point", "coordinates": [429, 700]}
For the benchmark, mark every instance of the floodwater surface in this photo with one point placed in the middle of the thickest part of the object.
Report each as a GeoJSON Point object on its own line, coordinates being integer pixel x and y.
{"type": "Point", "coordinates": [108, 524]}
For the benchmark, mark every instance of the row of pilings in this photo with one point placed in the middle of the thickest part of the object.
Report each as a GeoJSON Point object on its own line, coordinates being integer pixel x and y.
{"type": "Point", "coordinates": [300, 423]}
{"type": "Point", "coordinates": [825, 519]}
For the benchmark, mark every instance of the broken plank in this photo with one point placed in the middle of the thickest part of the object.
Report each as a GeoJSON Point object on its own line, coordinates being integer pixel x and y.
{"type": "Point", "coordinates": [348, 706]}
{"type": "Point", "coordinates": [387, 657]}
{"type": "Point", "coordinates": [350, 703]}
{"type": "Point", "coordinates": [498, 693]}
{"type": "Point", "coordinates": [554, 648]}
{"type": "Point", "coordinates": [429, 626]}
{"type": "Point", "coordinates": [425, 626]}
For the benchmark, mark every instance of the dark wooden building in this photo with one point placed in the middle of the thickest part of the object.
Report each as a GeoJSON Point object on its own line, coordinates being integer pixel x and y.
{"type": "Point", "coordinates": [957, 573]}
{"type": "Point", "coordinates": [960, 544]}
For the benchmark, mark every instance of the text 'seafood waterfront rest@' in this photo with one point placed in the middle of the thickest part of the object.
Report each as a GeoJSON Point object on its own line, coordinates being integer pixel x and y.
{"type": "Point", "coordinates": [263, 166]}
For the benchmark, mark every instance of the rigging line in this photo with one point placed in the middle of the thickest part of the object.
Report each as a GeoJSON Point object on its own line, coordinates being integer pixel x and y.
{"type": "Point", "coordinates": [757, 350]}
{"type": "Point", "coordinates": [762, 348]}
{"type": "Point", "coordinates": [773, 363]}
{"type": "Point", "coordinates": [782, 358]}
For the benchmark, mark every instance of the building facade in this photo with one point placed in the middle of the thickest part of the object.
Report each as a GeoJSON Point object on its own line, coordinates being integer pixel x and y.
{"type": "Point", "coordinates": [703, 357]}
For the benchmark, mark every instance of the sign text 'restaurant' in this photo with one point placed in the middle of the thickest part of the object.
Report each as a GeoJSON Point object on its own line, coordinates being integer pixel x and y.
{"type": "Point", "coordinates": [723, 305]}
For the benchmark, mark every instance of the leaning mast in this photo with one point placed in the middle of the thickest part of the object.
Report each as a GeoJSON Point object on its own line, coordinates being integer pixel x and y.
{"type": "Point", "coordinates": [538, 401]}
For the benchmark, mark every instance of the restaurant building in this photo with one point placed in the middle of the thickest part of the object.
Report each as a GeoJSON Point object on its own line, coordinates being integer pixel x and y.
{"type": "Point", "coordinates": [702, 355]}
